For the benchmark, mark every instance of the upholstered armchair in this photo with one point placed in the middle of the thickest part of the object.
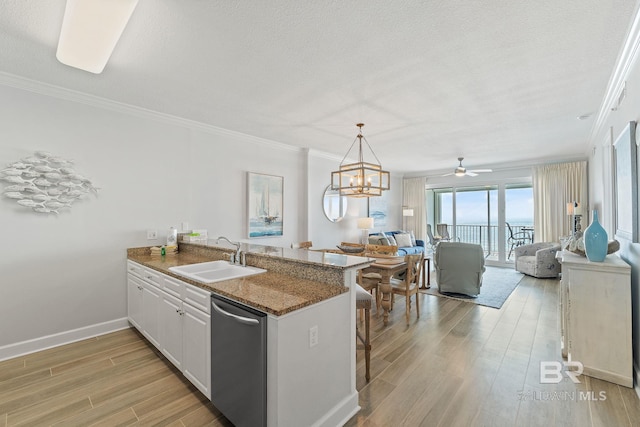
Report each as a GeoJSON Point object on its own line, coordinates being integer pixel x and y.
{"type": "Point", "coordinates": [538, 259]}
{"type": "Point", "coordinates": [459, 267]}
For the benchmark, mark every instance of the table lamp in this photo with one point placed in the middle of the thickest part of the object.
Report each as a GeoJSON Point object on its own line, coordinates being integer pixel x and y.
{"type": "Point", "coordinates": [574, 209]}
{"type": "Point", "coordinates": [365, 224]}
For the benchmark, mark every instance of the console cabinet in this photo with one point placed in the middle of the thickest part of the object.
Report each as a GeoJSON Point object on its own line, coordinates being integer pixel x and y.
{"type": "Point", "coordinates": [595, 315]}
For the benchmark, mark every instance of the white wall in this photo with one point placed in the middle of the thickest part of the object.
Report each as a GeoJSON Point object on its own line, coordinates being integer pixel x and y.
{"type": "Point", "coordinates": [65, 272]}
{"type": "Point", "coordinates": [610, 123]}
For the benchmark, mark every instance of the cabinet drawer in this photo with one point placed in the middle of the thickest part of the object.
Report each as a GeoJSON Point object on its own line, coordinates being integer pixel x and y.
{"type": "Point", "coordinates": [152, 276]}
{"type": "Point", "coordinates": [135, 269]}
{"type": "Point", "coordinates": [174, 287]}
{"type": "Point", "coordinates": [198, 298]}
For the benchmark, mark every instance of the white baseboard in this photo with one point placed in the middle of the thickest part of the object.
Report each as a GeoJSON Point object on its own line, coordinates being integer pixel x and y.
{"type": "Point", "coordinates": [37, 344]}
{"type": "Point", "coordinates": [341, 413]}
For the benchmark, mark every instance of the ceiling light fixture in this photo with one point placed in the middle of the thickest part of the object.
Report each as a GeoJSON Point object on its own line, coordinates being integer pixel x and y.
{"type": "Point", "coordinates": [90, 31]}
{"type": "Point", "coordinates": [360, 179]}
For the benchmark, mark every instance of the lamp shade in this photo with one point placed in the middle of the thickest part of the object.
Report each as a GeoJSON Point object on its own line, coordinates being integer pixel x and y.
{"type": "Point", "coordinates": [574, 208]}
{"type": "Point", "coordinates": [569, 208]}
{"type": "Point", "coordinates": [365, 223]}
{"type": "Point", "coordinates": [577, 210]}
{"type": "Point", "coordinates": [90, 31]}
{"type": "Point", "coordinates": [407, 212]}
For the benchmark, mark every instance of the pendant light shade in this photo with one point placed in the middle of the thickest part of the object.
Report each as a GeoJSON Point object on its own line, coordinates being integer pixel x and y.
{"type": "Point", "coordinates": [360, 179]}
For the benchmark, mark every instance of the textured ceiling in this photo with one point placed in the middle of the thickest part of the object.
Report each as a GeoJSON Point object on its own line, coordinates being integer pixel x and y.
{"type": "Point", "coordinates": [494, 81]}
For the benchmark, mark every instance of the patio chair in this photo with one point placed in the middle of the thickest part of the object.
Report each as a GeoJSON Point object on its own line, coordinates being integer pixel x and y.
{"type": "Point", "coordinates": [443, 232]}
{"type": "Point", "coordinates": [516, 239]}
{"type": "Point", "coordinates": [433, 241]}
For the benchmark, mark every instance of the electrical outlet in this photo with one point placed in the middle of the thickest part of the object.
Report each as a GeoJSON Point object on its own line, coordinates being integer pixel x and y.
{"type": "Point", "coordinates": [152, 234]}
{"type": "Point", "coordinates": [313, 336]}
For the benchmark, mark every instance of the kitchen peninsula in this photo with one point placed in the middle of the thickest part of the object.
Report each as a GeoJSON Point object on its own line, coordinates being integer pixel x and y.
{"type": "Point", "coordinates": [310, 381]}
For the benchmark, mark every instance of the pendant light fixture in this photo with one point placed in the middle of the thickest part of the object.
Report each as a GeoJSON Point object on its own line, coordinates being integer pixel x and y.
{"type": "Point", "coordinates": [360, 179]}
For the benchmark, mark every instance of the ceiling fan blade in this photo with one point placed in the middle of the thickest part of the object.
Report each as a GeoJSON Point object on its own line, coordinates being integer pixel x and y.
{"type": "Point", "coordinates": [481, 170]}
{"type": "Point", "coordinates": [470, 173]}
{"type": "Point", "coordinates": [448, 174]}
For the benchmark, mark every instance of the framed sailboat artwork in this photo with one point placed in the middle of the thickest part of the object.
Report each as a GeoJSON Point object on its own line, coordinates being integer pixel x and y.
{"type": "Point", "coordinates": [265, 204]}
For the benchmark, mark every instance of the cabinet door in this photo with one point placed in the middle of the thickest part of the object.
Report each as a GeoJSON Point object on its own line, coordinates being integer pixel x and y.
{"type": "Point", "coordinates": [197, 348]}
{"type": "Point", "coordinates": [151, 299]}
{"type": "Point", "coordinates": [171, 324]}
{"type": "Point", "coordinates": [134, 301]}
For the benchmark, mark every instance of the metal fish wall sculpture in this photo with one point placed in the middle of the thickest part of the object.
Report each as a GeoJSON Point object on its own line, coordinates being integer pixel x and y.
{"type": "Point", "coordinates": [45, 183]}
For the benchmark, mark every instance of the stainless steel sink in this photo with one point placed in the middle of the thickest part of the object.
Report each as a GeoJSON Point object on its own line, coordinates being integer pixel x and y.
{"type": "Point", "coordinates": [214, 271]}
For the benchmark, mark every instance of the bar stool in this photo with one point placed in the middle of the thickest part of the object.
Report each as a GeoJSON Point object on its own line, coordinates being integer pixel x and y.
{"type": "Point", "coordinates": [363, 302]}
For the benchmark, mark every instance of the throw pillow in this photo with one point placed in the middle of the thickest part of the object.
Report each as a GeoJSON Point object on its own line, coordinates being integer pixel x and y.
{"type": "Point", "coordinates": [413, 237]}
{"type": "Point", "coordinates": [404, 240]}
{"type": "Point", "coordinates": [378, 240]}
{"type": "Point", "coordinates": [392, 240]}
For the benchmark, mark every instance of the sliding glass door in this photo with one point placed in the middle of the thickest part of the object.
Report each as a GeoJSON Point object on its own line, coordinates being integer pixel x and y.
{"type": "Point", "coordinates": [482, 215]}
{"type": "Point", "coordinates": [477, 217]}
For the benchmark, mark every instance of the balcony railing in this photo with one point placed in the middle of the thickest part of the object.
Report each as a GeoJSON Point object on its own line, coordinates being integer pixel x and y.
{"type": "Point", "coordinates": [487, 236]}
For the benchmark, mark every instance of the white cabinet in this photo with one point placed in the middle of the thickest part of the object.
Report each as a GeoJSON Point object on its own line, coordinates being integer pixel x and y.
{"type": "Point", "coordinates": [151, 299]}
{"type": "Point", "coordinates": [196, 360]}
{"type": "Point", "coordinates": [171, 325]}
{"type": "Point", "coordinates": [174, 316]}
{"type": "Point", "coordinates": [596, 316]}
{"type": "Point", "coordinates": [134, 301]}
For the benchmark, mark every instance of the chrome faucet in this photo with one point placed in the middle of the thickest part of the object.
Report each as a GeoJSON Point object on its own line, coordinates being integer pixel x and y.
{"type": "Point", "coordinates": [235, 259]}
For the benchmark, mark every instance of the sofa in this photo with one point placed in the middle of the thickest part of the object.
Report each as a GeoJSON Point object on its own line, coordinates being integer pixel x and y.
{"type": "Point", "coordinates": [409, 246]}
{"type": "Point", "coordinates": [459, 267]}
{"type": "Point", "coordinates": [538, 259]}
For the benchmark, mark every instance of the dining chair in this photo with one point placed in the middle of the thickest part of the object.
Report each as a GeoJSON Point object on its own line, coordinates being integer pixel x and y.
{"type": "Point", "coordinates": [371, 281]}
{"type": "Point", "coordinates": [302, 245]}
{"type": "Point", "coordinates": [409, 285]}
{"type": "Point", "coordinates": [363, 302]}
{"type": "Point", "coordinates": [516, 239]}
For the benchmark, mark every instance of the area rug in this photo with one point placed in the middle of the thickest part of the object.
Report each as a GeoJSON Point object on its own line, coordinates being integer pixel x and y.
{"type": "Point", "coordinates": [497, 285]}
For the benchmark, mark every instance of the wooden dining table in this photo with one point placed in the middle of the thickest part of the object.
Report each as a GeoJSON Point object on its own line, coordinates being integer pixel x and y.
{"type": "Point", "coordinates": [386, 268]}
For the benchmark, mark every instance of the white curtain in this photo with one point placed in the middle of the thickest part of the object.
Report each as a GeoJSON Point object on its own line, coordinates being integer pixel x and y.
{"type": "Point", "coordinates": [413, 197]}
{"type": "Point", "coordinates": [554, 186]}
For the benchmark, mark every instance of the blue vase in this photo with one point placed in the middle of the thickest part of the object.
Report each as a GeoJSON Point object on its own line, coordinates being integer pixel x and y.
{"type": "Point", "coordinates": [595, 240]}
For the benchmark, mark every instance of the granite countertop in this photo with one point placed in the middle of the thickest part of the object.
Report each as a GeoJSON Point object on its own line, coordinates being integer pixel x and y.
{"type": "Point", "coordinates": [273, 293]}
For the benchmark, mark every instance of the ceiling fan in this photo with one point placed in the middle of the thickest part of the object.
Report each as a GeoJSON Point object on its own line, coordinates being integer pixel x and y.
{"type": "Point", "coordinates": [462, 171]}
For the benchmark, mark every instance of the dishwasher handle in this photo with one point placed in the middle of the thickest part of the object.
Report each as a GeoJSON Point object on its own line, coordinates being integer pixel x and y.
{"type": "Point", "coordinates": [245, 320]}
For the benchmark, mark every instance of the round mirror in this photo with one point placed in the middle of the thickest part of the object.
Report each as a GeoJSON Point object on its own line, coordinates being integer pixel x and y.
{"type": "Point", "coordinates": [334, 205]}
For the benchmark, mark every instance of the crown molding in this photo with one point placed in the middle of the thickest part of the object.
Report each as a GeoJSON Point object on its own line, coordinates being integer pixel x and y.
{"type": "Point", "coordinates": [626, 60]}
{"type": "Point", "coordinates": [59, 92]}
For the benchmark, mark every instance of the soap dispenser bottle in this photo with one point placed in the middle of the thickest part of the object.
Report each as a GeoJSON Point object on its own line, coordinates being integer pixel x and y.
{"type": "Point", "coordinates": [172, 237]}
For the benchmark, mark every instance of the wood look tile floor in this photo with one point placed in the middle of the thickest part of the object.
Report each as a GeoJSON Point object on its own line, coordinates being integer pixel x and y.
{"type": "Point", "coordinates": [463, 364]}
{"type": "Point", "coordinates": [460, 364]}
{"type": "Point", "coordinates": [118, 379]}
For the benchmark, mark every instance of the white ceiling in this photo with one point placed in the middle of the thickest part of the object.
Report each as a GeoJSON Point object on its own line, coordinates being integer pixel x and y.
{"type": "Point", "coordinates": [494, 81]}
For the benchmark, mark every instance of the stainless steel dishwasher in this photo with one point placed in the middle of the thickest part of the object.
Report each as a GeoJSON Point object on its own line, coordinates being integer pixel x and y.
{"type": "Point", "coordinates": [239, 362]}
